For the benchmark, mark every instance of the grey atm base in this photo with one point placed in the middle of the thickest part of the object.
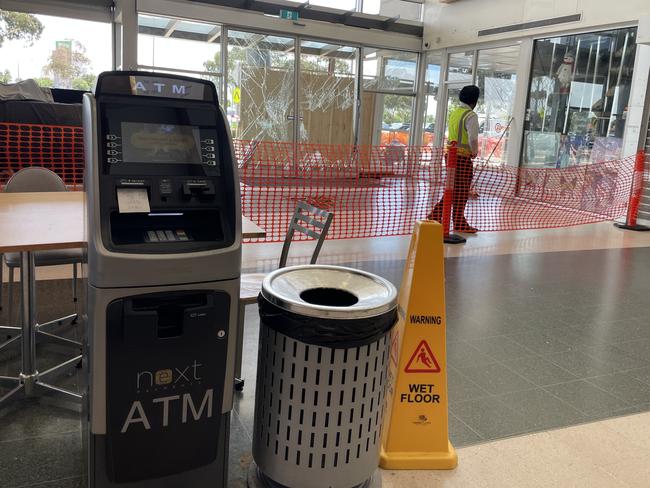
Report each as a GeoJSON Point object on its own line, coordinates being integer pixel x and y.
{"type": "Point", "coordinates": [207, 476]}
{"type": "Point", "coordinates": [213, 475]}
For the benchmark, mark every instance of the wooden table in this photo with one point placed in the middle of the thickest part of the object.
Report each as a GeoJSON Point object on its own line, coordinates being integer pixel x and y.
{"type": "Point", "coordinates": [35, 222]}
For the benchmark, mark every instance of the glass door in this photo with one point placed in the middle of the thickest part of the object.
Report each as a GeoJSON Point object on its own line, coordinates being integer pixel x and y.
{"type": "Point", "coordinates": [460, 72]}
{"type": "Point", "coordinates": [261, 86]}
{"type": "Point", "coordinates": [496, 76]}
{"type": "Point", "coordinates": [328, 92]}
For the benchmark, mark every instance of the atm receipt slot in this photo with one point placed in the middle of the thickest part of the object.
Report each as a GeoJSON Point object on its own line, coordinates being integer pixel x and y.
{"type": "Point", "coordinates": [133, 200]}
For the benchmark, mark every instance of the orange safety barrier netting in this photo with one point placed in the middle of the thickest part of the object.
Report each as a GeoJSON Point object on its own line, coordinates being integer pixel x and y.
{"type": "Point", "coordinates": [59, 148]}
{"type": "Point", "coordinates": [372, 190]}
{"type": "Point", "coordinates": [381, 190]}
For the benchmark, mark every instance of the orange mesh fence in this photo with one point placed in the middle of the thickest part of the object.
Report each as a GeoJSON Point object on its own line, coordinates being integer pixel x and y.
{"type": "Point", "coordinates": [372, 190]}
{"type": "Point", "coordinates": [381, 190]}
{"type": "Point", "coordinates": [59, 148]}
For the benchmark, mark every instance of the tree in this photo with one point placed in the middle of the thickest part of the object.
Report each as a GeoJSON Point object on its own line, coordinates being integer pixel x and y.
{"type": "Point", "coordinates": [67, 63]}
{"type": "Point", "coordinates": [5, 77]}
{"type": "Point", "coordinates": [44, 82]}
{"type": "Point", "coordinates": [17, 25]}
{"type": "Point", "coordinates": [85, 82]}
{"type": "Point", "coordinates": [397, 108]}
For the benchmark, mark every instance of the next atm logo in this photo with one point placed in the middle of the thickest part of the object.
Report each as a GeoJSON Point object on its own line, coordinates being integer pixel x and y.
{"type": "Point", "coordinates": [161, 411]}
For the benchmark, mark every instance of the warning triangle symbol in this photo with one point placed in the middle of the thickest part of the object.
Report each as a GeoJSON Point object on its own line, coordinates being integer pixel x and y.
{"type": "Point", "coordinates": [422, 360]}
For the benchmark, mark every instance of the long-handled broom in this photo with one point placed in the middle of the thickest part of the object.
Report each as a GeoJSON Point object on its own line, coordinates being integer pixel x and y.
{"type": "Point", "coordinates": [472, 190]}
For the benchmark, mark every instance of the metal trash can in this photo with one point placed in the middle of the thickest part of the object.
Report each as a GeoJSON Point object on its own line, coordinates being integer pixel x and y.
{"type": "Point", "coordinates": [323, 361]}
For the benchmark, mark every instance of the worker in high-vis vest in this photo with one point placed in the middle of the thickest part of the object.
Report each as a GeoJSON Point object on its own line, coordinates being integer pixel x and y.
{"type": "Point", "coordinates": [463, 130]}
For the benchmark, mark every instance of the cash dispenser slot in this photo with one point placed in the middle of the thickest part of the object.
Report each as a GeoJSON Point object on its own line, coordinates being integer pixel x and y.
{"type": "Point", "coordinates": [178, 230]}
{"type": "Point", "coordinates": [203, 190]}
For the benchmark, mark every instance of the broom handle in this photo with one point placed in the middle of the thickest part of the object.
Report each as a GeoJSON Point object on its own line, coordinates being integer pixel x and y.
{"type": "Point", "coordinates": [498, 142]}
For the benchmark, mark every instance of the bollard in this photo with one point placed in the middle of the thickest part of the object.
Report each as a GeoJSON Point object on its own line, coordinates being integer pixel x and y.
{"type": "Point", "coordinates": [636, 192]}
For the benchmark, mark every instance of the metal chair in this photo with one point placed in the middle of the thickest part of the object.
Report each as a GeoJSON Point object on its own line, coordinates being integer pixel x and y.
{"type": "Point", "coordinates": [38, 179]}
{"type": "Point", "coordinates": [304, 217]}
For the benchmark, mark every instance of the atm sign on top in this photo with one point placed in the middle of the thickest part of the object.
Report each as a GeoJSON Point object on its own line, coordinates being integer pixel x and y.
{"type": "Point", "coordinates": [161, 87]}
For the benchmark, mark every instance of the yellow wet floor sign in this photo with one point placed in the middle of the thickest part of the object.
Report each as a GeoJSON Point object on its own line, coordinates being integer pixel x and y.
{"type": "Point", "coordinates": [416, 434]}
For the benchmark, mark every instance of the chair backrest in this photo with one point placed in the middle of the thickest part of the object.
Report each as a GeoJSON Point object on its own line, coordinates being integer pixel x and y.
{"type": "Point", "coordinates": [304, 217]}
{"type": "Point", "coordinates": [34, 179]}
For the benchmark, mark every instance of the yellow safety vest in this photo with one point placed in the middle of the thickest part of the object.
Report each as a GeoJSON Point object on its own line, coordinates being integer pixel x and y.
{"type": "Point", "coordinates": [458, 132]}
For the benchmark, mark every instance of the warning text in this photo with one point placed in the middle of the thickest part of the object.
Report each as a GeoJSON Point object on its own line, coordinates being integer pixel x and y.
{"type": "Point", "coordinates": [420, 393]}
{"type": "Point", "coordinates": [426, 319]}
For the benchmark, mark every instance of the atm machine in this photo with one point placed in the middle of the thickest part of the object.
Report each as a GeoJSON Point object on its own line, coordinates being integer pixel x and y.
{"type": "Point", "coordinates": [164, 261]}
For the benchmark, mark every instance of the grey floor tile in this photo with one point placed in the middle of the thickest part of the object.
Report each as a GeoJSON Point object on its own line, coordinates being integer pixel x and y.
{"type": "Point", "coordinates": [642, 374]}
{"type": "Point", "coordinates": [540, 371]}
{"type": "Point", "coordinates": [461, 354]}
{"type": "Point", "coordinates": [581, 364]}
{"type": "Point", "coordinates": [541, 342]}
{"type": "Point", "coordinates": [501, 348]}
{"type": "Point", "coordinates": [461, 388]}
{"type": "Point", "coordinates": [240, 455]}
{"type": "Point", "coordinates": [639, 349]}
{"type": "Point", "coordinates": [542, 320]}
{"type": "Point", "coordinates": [619, 359]}
{"type": "Point", "coordinates": [32, 418]}
{"type": "Point", "coordinates": [75, 482]}
{"type": "Point", "coordinates": [460, 434]}
{"type": "Point", "coordinates": [495, 378]}
{"type": "Point", "coordinates": [467, 328]}
{"type": "Point", "coordinates": [625, 387]}
{"type": "Point", "coordinates": [587, 398]}
{"type": "Point", "coordinates": [41, 459]}
{"type": "Point", "coordinates": [541, 409]}
{"type": "Point", "coordinates": [490, 418]}
{"type": "Point", "coordinates": [600, 331]}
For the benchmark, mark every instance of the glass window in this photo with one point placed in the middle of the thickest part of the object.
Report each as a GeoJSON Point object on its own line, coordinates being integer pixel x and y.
{"type": "Point", "coordinates": [391, 8]}
{"type": "Point", "coordinates": [431, 89]}
{"type": "Point", "coordinates": [261, 86]}
{"type": "Point", "coordinates": [460, 68]}
{"type": "Point", "coordinates": [496, 76]}
{"type": "Point", "coordinates": [393, 71]}
{"type": "Point", "coordinates": [181, 47]}
{"type": "Point", "coordinates": [327, 92]}
{"type": "Point", "coordinates": [55, 51]}
{"type": "Point", "coordinates": [578, 97]}
{"type": "Point", "coordinates": [388, 96]}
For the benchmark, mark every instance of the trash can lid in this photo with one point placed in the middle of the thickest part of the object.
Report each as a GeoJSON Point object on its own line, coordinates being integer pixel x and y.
{"type": "Point", "coordinates": [329, 292]}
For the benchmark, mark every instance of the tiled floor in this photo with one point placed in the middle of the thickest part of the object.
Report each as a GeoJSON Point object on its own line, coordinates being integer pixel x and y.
{"type": "Point", "coordinates": [536, 342]}
{"type": "Point", "coordinates": [608, 454]}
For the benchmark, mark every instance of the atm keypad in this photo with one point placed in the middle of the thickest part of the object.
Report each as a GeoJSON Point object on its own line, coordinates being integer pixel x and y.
{"type": "Point", "coordinates": [166, 235]}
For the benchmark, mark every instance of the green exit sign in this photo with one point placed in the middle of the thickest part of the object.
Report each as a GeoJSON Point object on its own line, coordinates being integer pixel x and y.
{"type": "Point", "coordinates": [289, 14]}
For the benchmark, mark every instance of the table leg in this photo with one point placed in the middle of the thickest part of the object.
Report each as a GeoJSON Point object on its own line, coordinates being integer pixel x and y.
{"type": "Point", "coordinates": [28, 379]}
{"type": "Point", "coordinates": [29, 374]}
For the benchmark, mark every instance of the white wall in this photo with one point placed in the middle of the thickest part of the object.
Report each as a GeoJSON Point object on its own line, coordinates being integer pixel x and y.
{"type": "Point", "coordinates": [458, 23]}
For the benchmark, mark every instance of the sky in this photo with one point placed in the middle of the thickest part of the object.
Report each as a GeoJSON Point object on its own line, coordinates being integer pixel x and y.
{"type": "Point", "coordinates": [26, 61]}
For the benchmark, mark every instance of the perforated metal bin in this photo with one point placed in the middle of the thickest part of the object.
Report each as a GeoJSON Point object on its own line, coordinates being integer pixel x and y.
{"type": "Point", "coordinates": [322, 371]}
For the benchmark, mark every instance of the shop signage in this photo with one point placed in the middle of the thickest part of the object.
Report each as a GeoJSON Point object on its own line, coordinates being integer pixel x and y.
{"type": "Point", "coordinates": [289, 14]}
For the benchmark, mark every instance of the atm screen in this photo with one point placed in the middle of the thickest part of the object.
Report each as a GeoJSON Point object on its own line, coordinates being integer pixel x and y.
{"type": "Point", "coordinates": [160, 143]}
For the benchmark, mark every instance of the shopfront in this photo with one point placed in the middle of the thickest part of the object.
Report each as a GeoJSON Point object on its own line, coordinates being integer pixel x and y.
{"type": "Point", "coordinates": [548, 101]}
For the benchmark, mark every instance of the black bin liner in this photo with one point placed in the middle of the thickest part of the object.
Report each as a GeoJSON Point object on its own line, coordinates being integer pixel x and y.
{"type": "Point", "coordinates": [326, 332]}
